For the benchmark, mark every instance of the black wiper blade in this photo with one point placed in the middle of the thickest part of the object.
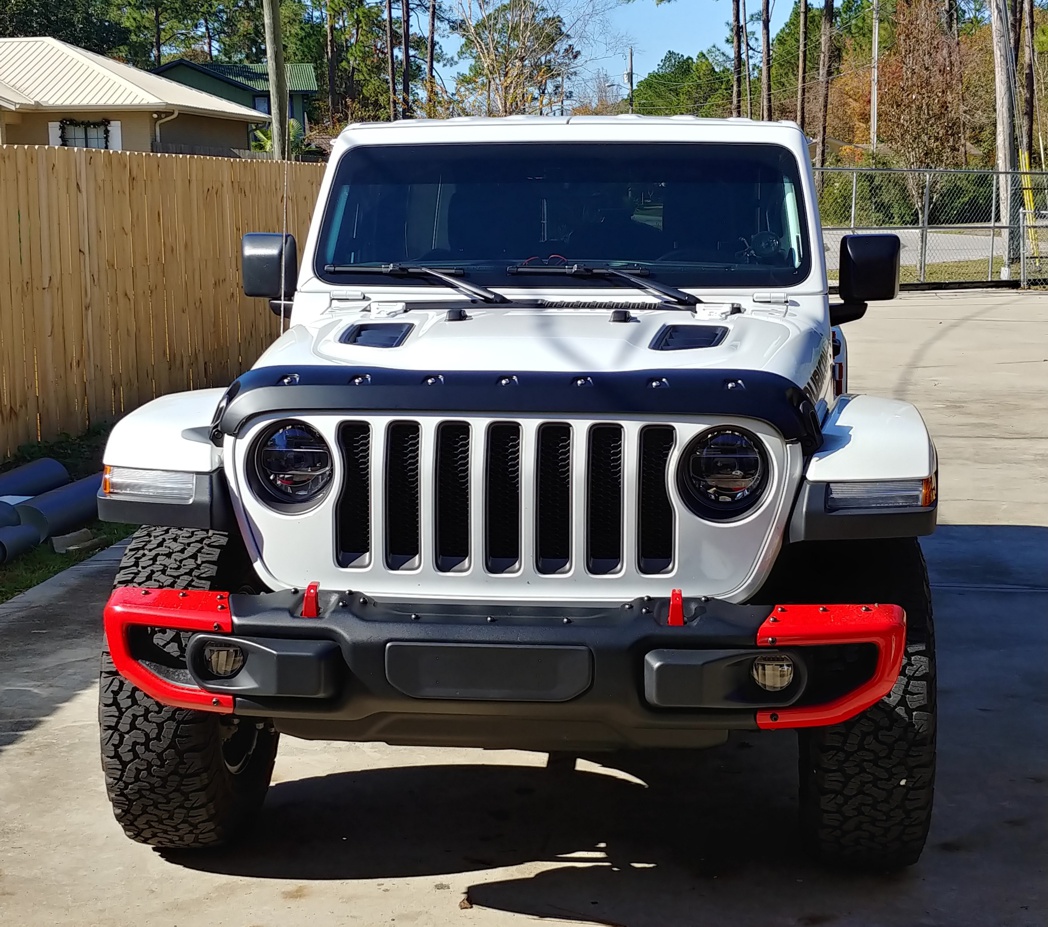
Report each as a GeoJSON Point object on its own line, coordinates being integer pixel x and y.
{"type": "Point", "coordinates": [446, 276]}
{"type": "Point", "coordinates": [634, 275]}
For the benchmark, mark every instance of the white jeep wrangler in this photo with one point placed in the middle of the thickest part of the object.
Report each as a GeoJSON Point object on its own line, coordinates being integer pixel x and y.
{"type": "Point", "coordinates": [556, 454]}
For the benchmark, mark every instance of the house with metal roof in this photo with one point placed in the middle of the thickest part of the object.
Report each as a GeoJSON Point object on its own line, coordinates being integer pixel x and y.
{"type": "Point", "coordinates": [246, 84]}
{"type": "Point", "coordinates": [54, 93]}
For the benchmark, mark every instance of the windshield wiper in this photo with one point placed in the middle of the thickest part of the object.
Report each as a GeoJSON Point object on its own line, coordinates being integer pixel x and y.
{"type": "Point", "coordinates": [634, 276]}
{"type": "Point", "coordinates": [446, 276]}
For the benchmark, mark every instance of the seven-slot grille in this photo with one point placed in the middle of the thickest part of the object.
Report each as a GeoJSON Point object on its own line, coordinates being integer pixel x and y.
{"type": "Point", "coordinates": [504, 497]}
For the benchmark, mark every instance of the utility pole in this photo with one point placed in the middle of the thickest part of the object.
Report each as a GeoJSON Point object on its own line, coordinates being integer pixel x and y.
{"type": "Point", "coordinates": [278, 98]}
{"type": "Point", "coordinates": [736, 60]}
{"type": "Point", "coordinates": [1028, 69]}
{"type": "Point", "coordinates": [765, 60]}
{"type": "Point", "coordinates": [802, 63]}
{"type": "Point", "coordinates": [405, 32]}
{"type": "Point", "coordinates": [629, 78]}
{"type": "Point", "coordinates": [746, 46]}
{"type": "Point", "coordinates": [873, 74]}
{"type": "Point", "coordinates": [1006, 155]}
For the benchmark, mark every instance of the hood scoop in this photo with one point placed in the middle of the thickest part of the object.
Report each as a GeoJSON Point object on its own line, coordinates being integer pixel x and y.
{"type": "Point", "coordinates": [377, 334]}
{"type": "Point", "coordinates": [687, 337]}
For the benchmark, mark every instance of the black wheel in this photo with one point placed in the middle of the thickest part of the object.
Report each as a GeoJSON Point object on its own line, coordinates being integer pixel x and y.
{"type": "Point", "coordinates": [866, 785]}
{"type": "Point", "coordinates": [177, 777]}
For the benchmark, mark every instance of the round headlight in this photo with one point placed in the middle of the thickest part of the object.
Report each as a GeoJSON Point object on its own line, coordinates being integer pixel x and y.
{"type": "Point", "coordinates": [723, 473]}
{"type": "Point", "coordinates": [293, 464]}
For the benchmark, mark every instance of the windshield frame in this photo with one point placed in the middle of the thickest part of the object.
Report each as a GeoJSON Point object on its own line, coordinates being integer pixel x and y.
{"type": "Point", "coordinates": [497, 273]}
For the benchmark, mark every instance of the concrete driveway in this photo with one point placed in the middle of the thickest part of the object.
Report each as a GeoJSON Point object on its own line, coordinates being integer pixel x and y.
{"type": "Point", "coordinates": [370, 834]}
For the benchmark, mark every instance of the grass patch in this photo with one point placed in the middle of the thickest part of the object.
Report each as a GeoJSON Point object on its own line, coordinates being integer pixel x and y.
{"type": "Point", "coordinates": [81, 456]}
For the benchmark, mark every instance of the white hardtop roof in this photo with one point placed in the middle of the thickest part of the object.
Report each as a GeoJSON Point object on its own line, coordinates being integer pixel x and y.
{"type": "Point", "coordinates": [43, 73]}
{"type": "Point", "coordinates": [577, 128]}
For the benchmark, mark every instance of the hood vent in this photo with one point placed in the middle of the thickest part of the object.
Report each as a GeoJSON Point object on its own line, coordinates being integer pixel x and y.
{"type": "Point", "coordinates": [377, 334]}
{"type": "Point", "coordinates": [686, 337]}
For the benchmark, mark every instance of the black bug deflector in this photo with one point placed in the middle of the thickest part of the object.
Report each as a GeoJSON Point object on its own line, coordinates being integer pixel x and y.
{"type": "Point", "coordinates": [297, 391]}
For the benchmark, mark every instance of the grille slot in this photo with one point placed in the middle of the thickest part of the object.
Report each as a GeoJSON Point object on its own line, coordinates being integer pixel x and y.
{"type": "Point", "coordinates": [502, 502]}
{"type": "Point", "coordinates": [655, 528]}
{"type": "Point", "coordinates": [452, 496]}
{"type": "Point", "coordinates": [402, 468]}
{"type": "Point", "coordinates": [553, 508]}
{"type": "Point", "coordinates": [604, 495]}
{"type": "Point", "coordinates": [353, 527]}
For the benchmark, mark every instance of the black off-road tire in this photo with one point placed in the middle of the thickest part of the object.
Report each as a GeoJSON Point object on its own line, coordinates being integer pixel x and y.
{"type": "Point", "coordinates": [179, 778]}
{"type": "Point", "coordinates": [866, 785]}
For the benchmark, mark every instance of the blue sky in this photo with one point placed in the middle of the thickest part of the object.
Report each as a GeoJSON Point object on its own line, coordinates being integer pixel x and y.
{"type": "Point", "coordinates": [685, 26]}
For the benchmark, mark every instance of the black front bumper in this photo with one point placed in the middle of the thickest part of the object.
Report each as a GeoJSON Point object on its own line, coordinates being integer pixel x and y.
{"type": "Point", "coordinates": [529, 676]}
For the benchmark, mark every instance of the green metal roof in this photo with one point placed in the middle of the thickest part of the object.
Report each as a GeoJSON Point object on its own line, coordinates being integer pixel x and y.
{"type": "Point", "coordinates": [300, 77]}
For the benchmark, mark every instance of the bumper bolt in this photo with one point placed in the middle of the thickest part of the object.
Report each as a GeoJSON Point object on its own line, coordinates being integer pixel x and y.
{"type": "Point", "coordinates": [363, 600]}
{"type": "Point", "coordinates": [145, 592]}
{"type": "Point", "coordinates": [415, 617]}
{"type": "Point", "coordinates": [866, 608]}
{"type": "Point", "coordinates": [781, 608]}
{"type": "Point", "coordinates": [491, 619]}
{"type": "Point", "coordinates": [823, 608]}
{"type": "Point", "coordinates": [221, 608]}
{"type": "Point", "coordinates": [215, 702]}
{"type": "Point", "coordinates": [772, 620]}
{"type": "Point", "coordinates": [566, 621]}
{"type": "Point", "coordinates": [182, 595]}
{"type": "Point", "coordinates": [645, 611]}
{"type": "Point", "coordinates": [628, 605]}
{"type": "Point", "coordinates": [771, 641]}
{"type": "Point", "coordinates": [216, 626]}
{"type": "Point", "coordinates": [774, 716]}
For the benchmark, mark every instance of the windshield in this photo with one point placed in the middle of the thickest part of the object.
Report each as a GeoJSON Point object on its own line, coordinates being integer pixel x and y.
{"type": "Point", "coordinates": [691, 214]}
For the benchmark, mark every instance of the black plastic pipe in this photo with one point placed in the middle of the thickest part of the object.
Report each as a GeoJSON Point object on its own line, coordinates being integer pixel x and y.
{"type": "Point", "coordinates": [62, 510]}
{"type": "Point", "coordinates": [8, 515]}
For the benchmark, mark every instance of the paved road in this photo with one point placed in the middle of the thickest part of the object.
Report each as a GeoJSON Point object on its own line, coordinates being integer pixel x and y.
{"type": "Point", "coordinates": [943, 247]}
{"type": "Point", "coordinates": [375, 835]}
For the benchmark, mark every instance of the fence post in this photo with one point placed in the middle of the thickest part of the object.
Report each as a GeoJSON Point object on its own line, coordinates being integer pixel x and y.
{"type": "Point", "coordinates": [855, 186]}
{"type": "Point", "coordinates": [922, 264]}
{"type": "Point", "coordinates": [993, 228]}
{"type": "Point", "coordinates": [1022, 252]}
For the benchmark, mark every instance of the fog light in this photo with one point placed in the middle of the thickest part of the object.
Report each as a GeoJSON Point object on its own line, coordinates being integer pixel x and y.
{"type": "Point", "coordinates": [223, 660]}
{"type": "Point", "coordinates": [773, 672]}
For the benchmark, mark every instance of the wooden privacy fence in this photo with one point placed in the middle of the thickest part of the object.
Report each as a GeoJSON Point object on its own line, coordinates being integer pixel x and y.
{"type": "Point", "coordinates": [120, 278]}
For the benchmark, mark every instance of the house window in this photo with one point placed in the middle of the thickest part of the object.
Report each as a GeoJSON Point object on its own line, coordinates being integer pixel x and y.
{"type": "Point", "coordinates": [76, 134]}
{"type": "Point", "coordinates": [262, 103]}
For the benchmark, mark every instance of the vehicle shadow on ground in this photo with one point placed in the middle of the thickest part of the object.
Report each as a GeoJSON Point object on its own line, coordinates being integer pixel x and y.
{"type": "Point", "coordinates": [644, 839]}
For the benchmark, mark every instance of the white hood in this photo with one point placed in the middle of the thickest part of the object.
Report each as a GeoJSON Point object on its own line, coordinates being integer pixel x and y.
{"type": "Point", "coordinates": [572, 340]}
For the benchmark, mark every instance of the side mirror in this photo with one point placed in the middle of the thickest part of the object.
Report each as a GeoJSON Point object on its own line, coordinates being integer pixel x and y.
{"type": "Point", "coordinates": [268, 260]}
{"type": "Point", "coordinates": [869, 271]}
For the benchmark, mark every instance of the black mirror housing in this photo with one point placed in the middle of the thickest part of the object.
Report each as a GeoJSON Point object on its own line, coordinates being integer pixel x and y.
{"type": "Point", "coordinates": [869, 268]}
{"type": "Point", "coordinates": [267, 260]}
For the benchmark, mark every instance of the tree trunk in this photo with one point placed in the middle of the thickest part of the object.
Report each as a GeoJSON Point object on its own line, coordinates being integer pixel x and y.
{"type": "Point", "coordinates": [209, 40]}
{"type": "Point", "coordinates": [824, 84]}
{"type": "Point", "coordinates": [392, 74]}
{"type": "Point", "coordinates": [802, 63]}
{"type": "Point", "coordinates": [158, 44]}
{"type": "Point", "coordinates": [405, 29]}
{"type": "Point", "coordinates": [736, 60]}
{"type": "Point", "coordinates": [766, 60]}
{"type": "Point", "coordinates": [329, 53]}
{"type": "Point", "coordinates": [431, 43]}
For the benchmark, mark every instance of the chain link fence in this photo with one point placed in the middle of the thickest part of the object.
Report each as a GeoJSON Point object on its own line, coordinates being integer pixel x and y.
{"type": "Point", "coordinates": [958, 227]}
